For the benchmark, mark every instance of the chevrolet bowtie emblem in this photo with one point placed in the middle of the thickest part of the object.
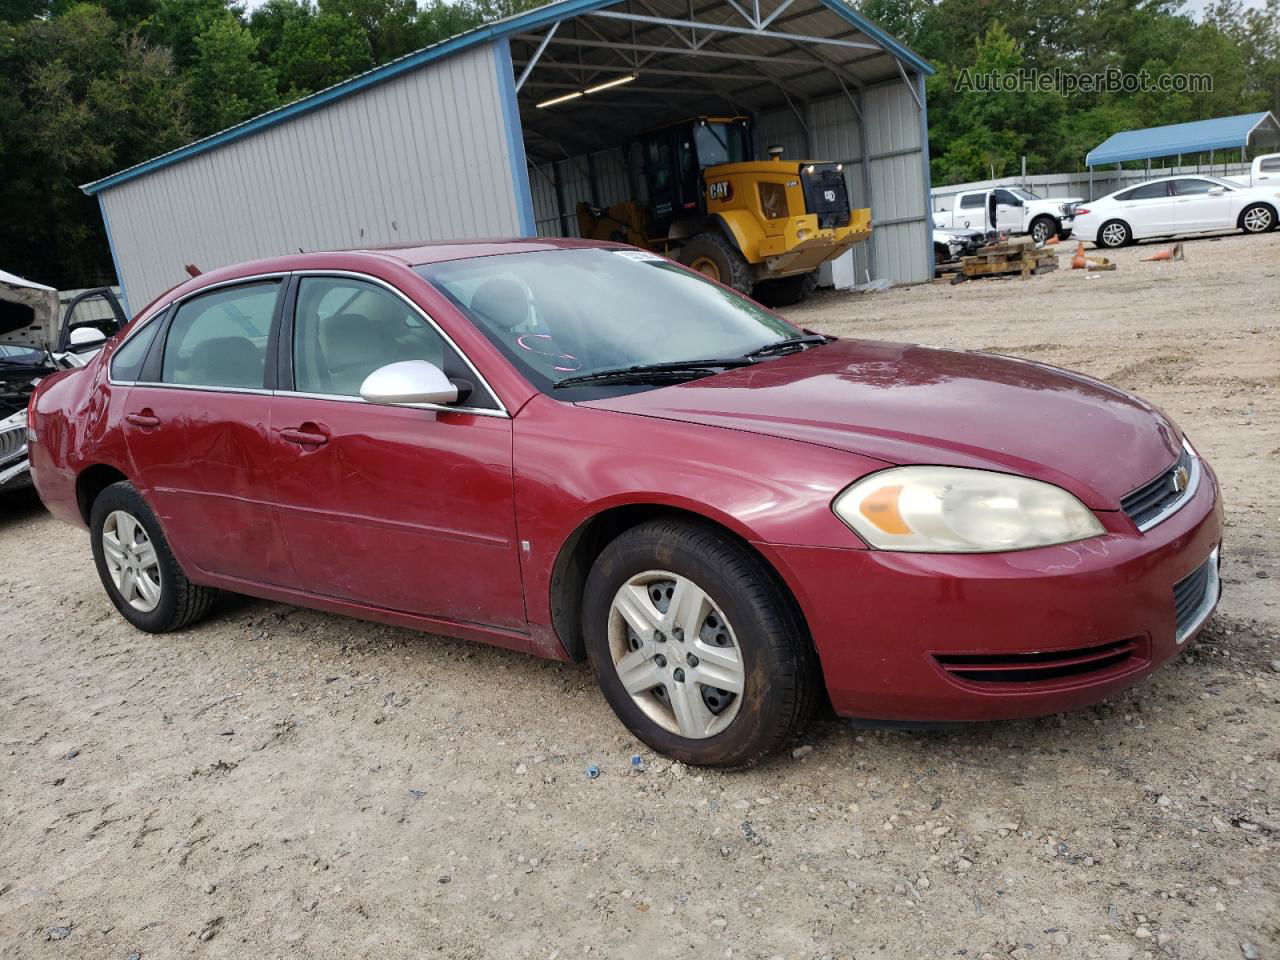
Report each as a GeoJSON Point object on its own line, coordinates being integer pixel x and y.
{"type": "Point", "coordinates": [1180, 479]}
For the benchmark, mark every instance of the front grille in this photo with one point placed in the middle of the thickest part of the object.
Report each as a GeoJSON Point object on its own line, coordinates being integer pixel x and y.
{"type": "Point", "coordinates": [1147, 505]}
{"type": "Point", "coordinates": [1024, 668]}
{"type": "Point", "coordinates": [13, 442]}
{"type": "Point", "coordinates": [826, 195]}
{"type": "Point", "coordinates": [1194, 596]}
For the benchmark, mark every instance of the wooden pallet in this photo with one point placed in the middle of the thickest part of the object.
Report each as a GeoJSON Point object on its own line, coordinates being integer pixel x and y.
{"type": "Point", "coordinates": [1017, 255]}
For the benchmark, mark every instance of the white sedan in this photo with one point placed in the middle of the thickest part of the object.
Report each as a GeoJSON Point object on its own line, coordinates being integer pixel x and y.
{"type": "Point", "coordinates": [1173, 206]}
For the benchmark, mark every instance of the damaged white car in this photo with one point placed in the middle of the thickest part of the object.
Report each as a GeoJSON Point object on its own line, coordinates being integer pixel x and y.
{"type": "Point", "coordinates": [37, 337]}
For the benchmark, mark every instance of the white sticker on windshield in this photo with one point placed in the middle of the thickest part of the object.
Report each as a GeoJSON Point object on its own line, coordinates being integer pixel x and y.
{"type": "Point", "coordinates": [641, 255]}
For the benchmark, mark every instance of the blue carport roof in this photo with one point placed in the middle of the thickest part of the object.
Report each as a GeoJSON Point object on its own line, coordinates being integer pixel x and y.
{"type": "Point", "coordinates": [1196, 137]}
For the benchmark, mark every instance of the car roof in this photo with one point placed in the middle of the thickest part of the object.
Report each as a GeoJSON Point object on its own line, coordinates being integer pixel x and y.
{"type": "Point", "coordinates": [403, 254]}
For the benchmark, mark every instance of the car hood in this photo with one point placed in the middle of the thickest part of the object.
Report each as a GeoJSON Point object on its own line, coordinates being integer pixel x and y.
{"type": "Point", "coordinates": [28, 312]}
{"type": "Point", "coordinates": [905, 404]}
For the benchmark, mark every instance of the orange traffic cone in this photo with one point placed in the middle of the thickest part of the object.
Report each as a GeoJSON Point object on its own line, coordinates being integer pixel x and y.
{"type": "Point", "coordinates": [1173, 253]}
{"type": "Point", "coordinates": [1052, 240]}
{"type": "Point", "coordinates": [1078, 262]}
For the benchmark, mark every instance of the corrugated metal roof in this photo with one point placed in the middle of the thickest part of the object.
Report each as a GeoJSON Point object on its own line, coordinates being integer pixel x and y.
{"type": "Point", "coordinates": [1196, 137]}
{"type": "Point", "coordinates": [803, 70]}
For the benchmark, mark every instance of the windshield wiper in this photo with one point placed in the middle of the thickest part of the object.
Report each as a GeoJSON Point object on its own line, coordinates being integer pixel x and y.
{"type": "Point", "coordinates": [644, 372]}
{"type": "Point", "coordinates": [784, 346]}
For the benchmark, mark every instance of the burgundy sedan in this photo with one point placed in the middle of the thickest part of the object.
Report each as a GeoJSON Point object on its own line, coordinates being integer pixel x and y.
{"type": "Point", "coordinates": [582, 450]}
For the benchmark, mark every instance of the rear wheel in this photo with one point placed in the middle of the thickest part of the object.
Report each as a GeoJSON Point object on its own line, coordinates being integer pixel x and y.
{"type": "Point", "coordinates": [785, 291]}
{"type": "Point", "coordinates": [695, 646]}
{"type": "Point", "coordinates": [1258, 218]}
{"type": "Point", "coordinates": [1114, 233]}
{"type": "Point", "coordinates": [136, 566]}
{"type": "Point", "coordinates": [712, 255]}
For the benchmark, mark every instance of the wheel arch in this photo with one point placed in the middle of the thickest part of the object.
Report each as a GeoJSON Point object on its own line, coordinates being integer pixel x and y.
{"type": "Point", "coordinates": [1275, 214]}
{"type": "Point", "coordinates": [91, 481]}
{"type": "Point", "coordinates": [578, 553]}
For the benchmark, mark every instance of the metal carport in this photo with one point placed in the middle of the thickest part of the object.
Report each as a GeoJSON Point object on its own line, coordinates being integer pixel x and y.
{"type": "Point", "coordinates": [451, 141]}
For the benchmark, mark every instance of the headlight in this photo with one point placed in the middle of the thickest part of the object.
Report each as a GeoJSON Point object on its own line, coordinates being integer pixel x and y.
{"type": "Point", "coordinates": [955, 510]}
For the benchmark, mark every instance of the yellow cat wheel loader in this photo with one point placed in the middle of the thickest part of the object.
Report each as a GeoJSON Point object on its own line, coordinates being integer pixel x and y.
{"type": "Point", "coordinates": [700, 197]}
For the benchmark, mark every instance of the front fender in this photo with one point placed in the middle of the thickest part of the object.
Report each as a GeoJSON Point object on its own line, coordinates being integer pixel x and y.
{"type": "Point", "coordinates": [763, 489]}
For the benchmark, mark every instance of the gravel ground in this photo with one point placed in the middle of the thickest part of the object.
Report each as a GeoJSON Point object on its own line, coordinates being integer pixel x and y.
{"type": "Point", "coordinates": [278, 782]}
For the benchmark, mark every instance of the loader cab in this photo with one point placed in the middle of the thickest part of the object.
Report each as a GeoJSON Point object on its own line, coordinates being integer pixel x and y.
{"type": "Point", "coordinates": [670, 161]}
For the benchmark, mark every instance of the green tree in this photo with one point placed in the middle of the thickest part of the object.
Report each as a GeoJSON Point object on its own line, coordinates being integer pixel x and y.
{"type": "Point", "coordinates": [320, 51]}
{"type": "Point", "coordinates": [83, 98]}
{"type": "Point", "coordinates": [228, 84]}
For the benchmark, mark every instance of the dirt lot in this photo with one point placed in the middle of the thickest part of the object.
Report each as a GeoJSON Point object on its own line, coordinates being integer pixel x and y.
{"type": "Point", "coordinates": [278, 782]}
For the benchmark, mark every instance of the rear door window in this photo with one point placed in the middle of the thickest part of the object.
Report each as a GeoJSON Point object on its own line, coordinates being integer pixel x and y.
{"type": "Point", "coordinates": [970, 200]}
{"type": "Point", "coordinates": [1148, 191]}
{"type": "Point", "coordinates": [220, 339]}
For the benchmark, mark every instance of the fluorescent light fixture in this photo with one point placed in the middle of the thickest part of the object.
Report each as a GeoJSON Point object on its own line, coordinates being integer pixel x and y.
{"type": "Point", "coordinates": [554, 100]}
{"type": "Point", "coordinates": [611, 83]}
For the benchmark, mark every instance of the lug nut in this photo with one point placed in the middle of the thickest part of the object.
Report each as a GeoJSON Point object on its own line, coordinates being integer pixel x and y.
{"type": "Point", "coordinates": [678, 676]}
{"type": "Point", "coordinates": [678, 633]}
{"type": "Point", "coordinates": [659, 636]}
{"type": "Point", "coordinates": [660, 660]}
{"type": "Point", "coordinates": [691, 660]}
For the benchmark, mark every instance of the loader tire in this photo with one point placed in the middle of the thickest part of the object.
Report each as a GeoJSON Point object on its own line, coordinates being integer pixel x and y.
{"type": "Point", "coordinates": [785, 291]}
{"type": "Point", "coordinates": [712, 254]}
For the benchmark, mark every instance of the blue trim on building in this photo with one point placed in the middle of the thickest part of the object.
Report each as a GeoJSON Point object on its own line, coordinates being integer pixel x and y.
{"type": "Point", "coordinates": [928, 176]}
{"type": "Point", "coordinates": [515, 137]}
{"type": "Point", "coordinates": [115, 260]}
{"type": "Point", "coordinates": [533, 20]}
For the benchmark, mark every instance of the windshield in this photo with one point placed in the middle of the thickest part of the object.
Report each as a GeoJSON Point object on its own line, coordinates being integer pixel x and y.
{"type": "Point", "coordinates": [1023, 194]}
{"type": "Point", "coordinates": [558, 314]}
{"type": "Point", "coordinates": [720, 143]}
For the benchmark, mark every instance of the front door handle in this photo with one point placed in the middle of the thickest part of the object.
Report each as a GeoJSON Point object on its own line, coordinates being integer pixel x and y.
{"type": "Point", "coordinates": [145, 418]}
{"type": "Point", "coordinates": [307, 438]}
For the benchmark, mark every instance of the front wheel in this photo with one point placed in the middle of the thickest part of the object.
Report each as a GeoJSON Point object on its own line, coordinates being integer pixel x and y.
{"type": "Point", "coordinates": [696, 647]}
{"type": "Point", "coordinates": [1114, 233]}
{"type": "Point", "coordinates": [713, 255]}
{"type": "Point", "coordinates": [785, 291]}
{"type": "Point", "coordinates": [139, 571]}
{"type": "Point", "coordinates": [1042, 228]}
{"type": "Point", "coordinates": [1258, 218]}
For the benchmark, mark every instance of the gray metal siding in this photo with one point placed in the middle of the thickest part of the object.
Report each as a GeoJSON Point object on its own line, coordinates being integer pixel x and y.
{"type": "Point", "coordinates": [898, 198]}
{"type": "Point", "coordinates": [421, 157]}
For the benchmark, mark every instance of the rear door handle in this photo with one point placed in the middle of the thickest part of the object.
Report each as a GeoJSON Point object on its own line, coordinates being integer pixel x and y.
{"type": "Point", "coordinates": [144, 419]}
{"type": "Point", "coordinates": [306, 438]}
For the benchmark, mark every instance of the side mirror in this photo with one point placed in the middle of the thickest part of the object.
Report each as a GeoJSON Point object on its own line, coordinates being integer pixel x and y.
{"type": "Point", "coordinates": [409, 381]}
{"type": "Point", "coordinates": [1217, 191]}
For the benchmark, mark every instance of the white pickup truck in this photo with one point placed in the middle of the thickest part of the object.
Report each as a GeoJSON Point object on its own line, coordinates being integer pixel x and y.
{"type": "Point", "coordinates": [1264, 172]}
{"type": "Point", "coordinates": [1009, 210]}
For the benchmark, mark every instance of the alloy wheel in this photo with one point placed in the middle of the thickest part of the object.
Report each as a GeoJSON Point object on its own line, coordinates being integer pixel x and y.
{"type": "Point", "coordinates": [1040, 231]}
{"type": "Point", "coordinates": [1113, 234]}
{"type": "Point", "coordinates": [131, 560]}
{"type": "Point", "coordinates": [1257, 220]}
{"type": "Point", "coordinates": [676, 654]}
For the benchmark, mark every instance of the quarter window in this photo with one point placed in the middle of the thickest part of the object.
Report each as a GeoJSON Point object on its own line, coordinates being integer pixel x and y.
{"type": "Point", "coordinates": [126, 364]}
{"type": "Point", "coordinates": [220, 339]}
{"type": "Point", "coordinates": [344, 329]}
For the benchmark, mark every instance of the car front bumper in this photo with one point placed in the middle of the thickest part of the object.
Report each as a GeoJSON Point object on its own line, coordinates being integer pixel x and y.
{"type": "Point", "coordinates": [15, 475]}
{"type": "Point", "coordinates": [957, 637]}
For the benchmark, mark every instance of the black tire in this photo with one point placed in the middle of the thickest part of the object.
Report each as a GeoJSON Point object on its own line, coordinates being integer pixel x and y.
{"type": "Point", "coordinates": [782, 680]}
{"type": "Point", "coordinates": [181, 602]}
{"type": "Point", "coordinates": [785, 291]}
{"type": "Point", "coordinates": [712, 253]}
{"type": "Point", "coordinates": [1042, 228]}
{"type": "Point", "coordinates": [1257, 218]}
{"type": "Point", "coordinates": [1119, 238]}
